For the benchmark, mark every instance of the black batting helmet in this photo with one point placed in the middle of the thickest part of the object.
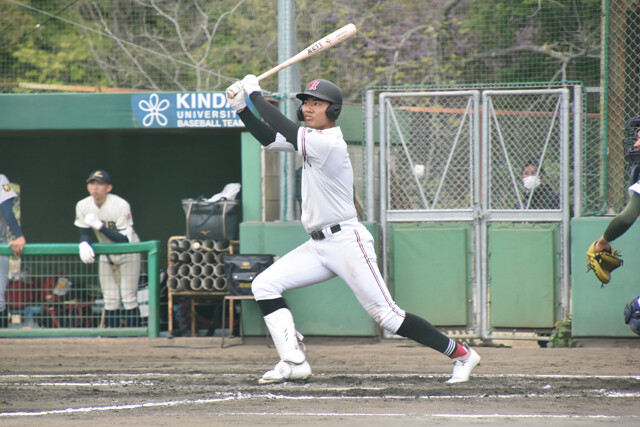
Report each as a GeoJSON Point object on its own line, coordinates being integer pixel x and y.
{"type": "Point", "coordinates": [327, 91]}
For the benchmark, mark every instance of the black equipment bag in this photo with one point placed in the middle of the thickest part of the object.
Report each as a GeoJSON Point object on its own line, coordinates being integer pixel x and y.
{"type": "Point", "coordinates": [212, 220]}
{"type": "Point", "coordinates": [241, 269]}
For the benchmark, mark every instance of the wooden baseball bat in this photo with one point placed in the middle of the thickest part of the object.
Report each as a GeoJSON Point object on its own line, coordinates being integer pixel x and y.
{"type": "Point", "coordinates": [319, 46]}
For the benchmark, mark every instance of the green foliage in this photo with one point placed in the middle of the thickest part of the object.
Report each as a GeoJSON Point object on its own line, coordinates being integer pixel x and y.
{"type": "Point", "coordinates": [12, 21]}
{"type": "Point", "coordinates": [534, 40]}
{"type": "Point", "coordinates": [561, 336]}
{"type": "Point", "coordinates": [67, 65]}
{"type": "Point", "coordinates": [205, 45]}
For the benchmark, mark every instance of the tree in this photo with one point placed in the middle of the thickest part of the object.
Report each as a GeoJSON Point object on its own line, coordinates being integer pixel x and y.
{"type": "Point", "coordinates": [39, 50]}
{"type": "Point", "coordinates": [197, 45]}
{"type": "Point", "coordinates": [176, 45]}
{"type": "Point", "coordinates": [535, 40]}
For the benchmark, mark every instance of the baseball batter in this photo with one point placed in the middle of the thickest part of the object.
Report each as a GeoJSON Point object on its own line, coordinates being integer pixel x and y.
{"type": "Point", "coordinates": [110, 218]}
{"type": "Point", "coordinates": [8, 222]}
{"type": "Point", "coordinates": [339, 245]}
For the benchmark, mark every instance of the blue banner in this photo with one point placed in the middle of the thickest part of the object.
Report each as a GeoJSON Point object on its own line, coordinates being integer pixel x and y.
{"type": "Point", "coordinates": [184, 110]}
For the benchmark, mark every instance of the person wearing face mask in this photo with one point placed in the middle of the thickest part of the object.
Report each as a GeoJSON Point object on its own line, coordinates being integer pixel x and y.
{"type": "Point", "coordinates": [538, 194]}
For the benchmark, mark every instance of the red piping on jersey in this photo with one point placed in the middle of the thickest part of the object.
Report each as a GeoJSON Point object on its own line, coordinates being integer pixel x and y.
{"type": "Point", "coordinates": [377, 278]}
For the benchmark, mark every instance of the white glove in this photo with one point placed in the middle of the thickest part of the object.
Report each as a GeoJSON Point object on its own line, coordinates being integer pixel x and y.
{"type": "Point", "coordinates": [237, 100]}
{"type": "Point", "coordinates": [92, 221]}
{"type": "Point", "coordinates": [86, 253]}
{"type": "Point", "coordinates": [250, 84]}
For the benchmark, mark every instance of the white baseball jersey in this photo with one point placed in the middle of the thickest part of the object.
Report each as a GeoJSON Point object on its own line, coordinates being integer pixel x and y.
{"type": "Point", "coordinates": [327, 200]}
{"type": "Point", "coordinates": [6, 193]}
{"type": "Point", "coordinates": [327, 178]}
{"type": "Point", "coordinates": [115, 212]}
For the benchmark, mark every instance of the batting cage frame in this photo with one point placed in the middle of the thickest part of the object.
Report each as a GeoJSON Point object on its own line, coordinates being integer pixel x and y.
{"type": "Point", "coordinates": [453, 208]}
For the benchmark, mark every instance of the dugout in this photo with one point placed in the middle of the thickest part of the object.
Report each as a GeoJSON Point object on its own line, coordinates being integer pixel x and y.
{"type": "Point", "coordinates": [50, 143]}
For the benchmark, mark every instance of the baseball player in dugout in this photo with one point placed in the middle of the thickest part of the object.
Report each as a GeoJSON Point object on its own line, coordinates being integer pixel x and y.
{"type": "Point", "coordinates": [601, 258]}
{"type": "Point", "coordinates": [8, 222]}
{"type": "Point", "coordinates": [108, 217]}
{"type": "Point", "coordinates": [338, 245]}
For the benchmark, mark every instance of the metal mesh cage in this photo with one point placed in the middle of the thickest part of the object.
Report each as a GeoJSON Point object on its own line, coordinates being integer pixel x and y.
{"type": "Point", "coordinates": [53, 45]}
{"type": "Point", "coordinates": [51, 292]}
{"type": "Point", "coordinates": [430, 154]}
{"type": "Point", "coordinates": [622, 92]}
{"type": "Point", "coordinates": [525, 141]}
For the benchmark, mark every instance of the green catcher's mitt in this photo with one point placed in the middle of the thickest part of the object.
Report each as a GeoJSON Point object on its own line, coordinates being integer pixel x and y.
{"type": "Point", "coordinates": [603, 263]}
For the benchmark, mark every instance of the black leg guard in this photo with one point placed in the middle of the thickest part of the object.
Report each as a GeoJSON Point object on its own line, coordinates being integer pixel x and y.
{"type": "Point", "coordinates": [419, 330]}
{"type": "Point", "coordinates": [132, 317]}
{"type": "Point", "coordinates": [4, 319]}
{"type": "Point", "coordinates": [268, 306]}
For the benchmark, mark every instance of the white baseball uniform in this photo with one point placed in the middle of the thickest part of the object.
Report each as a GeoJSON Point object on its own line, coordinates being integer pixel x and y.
{"type": "Point", "coordinates": [338, 246]}
{"type": "Point", "coordinates": [119, 274]}
{"type": "Point", "coordinates": [327, 201]}
{"type": "Point", "coordinates": [6, 193]}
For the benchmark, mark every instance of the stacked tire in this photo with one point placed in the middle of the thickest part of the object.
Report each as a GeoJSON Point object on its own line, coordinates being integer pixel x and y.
{"type": "Point", "coordinates": [197, 265]}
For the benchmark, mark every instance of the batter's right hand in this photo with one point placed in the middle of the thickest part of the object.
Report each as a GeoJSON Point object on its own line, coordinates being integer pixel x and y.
{"type": "Point", "coordinates": [235, 96]}
{"type": "Point", "coordinates": [250, 84]}
{"type": "Point", "coordinates": [86, 253]}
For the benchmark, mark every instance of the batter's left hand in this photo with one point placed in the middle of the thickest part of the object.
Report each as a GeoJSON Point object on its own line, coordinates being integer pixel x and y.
{"type": "Point", "coordinates": [250, 84]}
{"type": "Point", "coordinates": [235, 96]}
{"type": "Point", "coordinates": [92, 221]}
{"type": "Point", "coordinates": [17, 245]}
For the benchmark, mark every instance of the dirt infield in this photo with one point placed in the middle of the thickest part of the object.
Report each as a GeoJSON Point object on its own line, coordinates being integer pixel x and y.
{"type": "Point", "coordinates": [192, 381]}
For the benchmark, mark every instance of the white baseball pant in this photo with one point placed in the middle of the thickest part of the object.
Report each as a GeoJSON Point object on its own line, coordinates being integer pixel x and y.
{"type": "Point", "coordinates": [349, 254]}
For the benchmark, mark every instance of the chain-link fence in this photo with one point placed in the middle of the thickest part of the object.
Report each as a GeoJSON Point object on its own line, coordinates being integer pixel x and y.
{"type": "Point", "coordinates": [431, 151]}
{"type": "Point", "coordinates": [51, 292]}
{"type": "Point", "coordinates": [622, 93]}
{"type": "Point", "coordinates": [529, 129]}
{"type": "Point", "coordinates": [59, 291]}
{"type": "Point", "coordinates": [195, 45]}
{"type": "Point", "coordinates": [525, 154]}
{"type": "Point", "coordinates": [82, 45]}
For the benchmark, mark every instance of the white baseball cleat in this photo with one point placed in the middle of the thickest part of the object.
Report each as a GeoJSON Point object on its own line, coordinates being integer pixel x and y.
{"type": "Point", "coordinates": [286, 371]}
{"type": "Point", "coordinates": [462, 366]}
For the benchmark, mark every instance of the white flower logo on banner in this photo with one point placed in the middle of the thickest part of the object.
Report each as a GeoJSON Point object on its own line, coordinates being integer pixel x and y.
{"type": "Point", "coordinates": [153, 107]}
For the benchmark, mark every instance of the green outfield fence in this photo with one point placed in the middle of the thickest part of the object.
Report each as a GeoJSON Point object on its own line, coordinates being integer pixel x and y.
{"type": "Point", "coordinates": [52, 293]}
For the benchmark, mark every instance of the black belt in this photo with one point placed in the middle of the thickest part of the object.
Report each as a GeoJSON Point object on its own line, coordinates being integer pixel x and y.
{"type": "Point", "coordinates": [319, 235]}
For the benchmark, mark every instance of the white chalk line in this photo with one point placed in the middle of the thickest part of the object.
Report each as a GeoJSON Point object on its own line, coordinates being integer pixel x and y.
{"type": "Point", "coordinates": [113, 407]}
{"type": "Point", "coordinates": [102, 382]}
{"type": "Point", "coordinates": [242, 396]}
{"type": "Point", "coordinates": [305, 414]}
{"type": "Point", "coordinates": [323, 375]}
